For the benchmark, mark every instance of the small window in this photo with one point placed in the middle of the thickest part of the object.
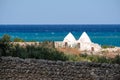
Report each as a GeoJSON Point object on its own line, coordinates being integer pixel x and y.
{"type": "Point", "coordinates": [78, 45]}
{"type": "Point", "coordinates": [66, 44]}
{"type": "Point", "coordinates": [92, 48]}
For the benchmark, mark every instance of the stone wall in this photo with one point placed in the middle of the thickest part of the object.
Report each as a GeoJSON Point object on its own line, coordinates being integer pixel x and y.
{"type": "Point", "coordinates": [32, 69]}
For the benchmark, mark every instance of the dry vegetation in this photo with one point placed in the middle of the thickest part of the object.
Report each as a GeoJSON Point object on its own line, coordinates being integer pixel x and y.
{"type": "Point", "coordinates": [69, 50]}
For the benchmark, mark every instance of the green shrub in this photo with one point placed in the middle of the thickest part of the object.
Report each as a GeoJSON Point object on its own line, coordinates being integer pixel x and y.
{"type": "Point", "coordinates": [5, 38]}
{"type": "Point", "coordinates": [37, 52]}
{"type": "Point", "coordinates": [107, 46]}
{"type": "Point", "coordinates": [116, 59]}
{"type": "Point", "coordinates": [18, 40]}
{"type": "Point", "coordinates": [4, 45]}
{"type": "Point", "coordinates": [83, 55]}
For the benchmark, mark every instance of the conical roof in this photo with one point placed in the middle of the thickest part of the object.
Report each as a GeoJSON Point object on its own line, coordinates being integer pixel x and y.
{"type": "Point", "coordinates": [84, 38]}
{"type": "Point", "coordinates": [69, 38]}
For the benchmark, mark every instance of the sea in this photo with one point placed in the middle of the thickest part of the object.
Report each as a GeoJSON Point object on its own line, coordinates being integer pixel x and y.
{"type": "Point", "coordinates": [101, 34]}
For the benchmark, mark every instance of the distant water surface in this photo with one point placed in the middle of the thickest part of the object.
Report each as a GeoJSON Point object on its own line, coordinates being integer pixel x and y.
{"type": "Point", "coordinates": [101, 34]}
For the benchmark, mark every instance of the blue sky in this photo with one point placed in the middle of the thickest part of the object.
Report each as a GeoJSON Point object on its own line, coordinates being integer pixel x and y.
{"type": "Point", "coordinates": [59, 11]}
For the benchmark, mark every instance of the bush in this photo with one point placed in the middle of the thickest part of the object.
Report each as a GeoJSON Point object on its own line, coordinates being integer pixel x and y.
{"type": "Point", "coordinates": [73, 57]}
{"type": "Point", "coordinates": [5, 38]}
{"type": "Point", "coordinates": [18, 40]}
{"type": "Point", "coordinates": [5, 45]}
{"type": "Point", "coordinates": [107, 46]}
{"type": "Point", "coordinates": [38, 52]}
{"type": "Point", "coordinates": [116, 59]}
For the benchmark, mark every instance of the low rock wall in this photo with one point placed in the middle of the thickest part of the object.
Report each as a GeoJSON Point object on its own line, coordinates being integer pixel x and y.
{"type": "Point", "coordinates": [33, 69]}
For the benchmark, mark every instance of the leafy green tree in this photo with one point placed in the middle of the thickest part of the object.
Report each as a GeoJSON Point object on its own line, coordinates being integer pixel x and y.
{"type": "Point", "coordinates": [5, 38]}
{"type": "Point", "coordinates": [5, 44]}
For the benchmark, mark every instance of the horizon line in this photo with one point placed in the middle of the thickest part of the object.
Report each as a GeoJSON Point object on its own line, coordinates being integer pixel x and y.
{"type": "Point", "coordinates": [59, 24]}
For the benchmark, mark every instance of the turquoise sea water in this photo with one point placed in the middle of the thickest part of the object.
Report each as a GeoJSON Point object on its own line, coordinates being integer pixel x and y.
{"type": "Point", "coordinates": [101, 34]}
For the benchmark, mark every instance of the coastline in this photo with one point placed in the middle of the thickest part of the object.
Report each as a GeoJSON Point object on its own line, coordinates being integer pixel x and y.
{"type": "Point", "coordinates": [101, 34]}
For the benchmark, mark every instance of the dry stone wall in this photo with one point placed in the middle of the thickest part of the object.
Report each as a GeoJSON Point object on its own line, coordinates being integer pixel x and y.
{"type": "Point", "coordinates": [33, 69]}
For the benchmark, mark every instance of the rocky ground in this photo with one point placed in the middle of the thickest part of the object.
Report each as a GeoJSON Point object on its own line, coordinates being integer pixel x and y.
{"type": "Point", "coordinates": [36, 69]}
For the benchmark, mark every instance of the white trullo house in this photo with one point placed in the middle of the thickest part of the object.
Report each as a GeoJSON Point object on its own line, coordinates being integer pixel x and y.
{"type": "Point", "coordinates": [69, 40]}
{"type": "Point", "coordinates": [85, 44]}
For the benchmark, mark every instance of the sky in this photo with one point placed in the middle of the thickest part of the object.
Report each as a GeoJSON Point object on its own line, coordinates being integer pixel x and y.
{"type": "Point", "coordinates": [59, 11]}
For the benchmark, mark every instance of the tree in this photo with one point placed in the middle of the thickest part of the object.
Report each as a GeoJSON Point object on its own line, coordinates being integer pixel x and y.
{"type": "Point", "coordinates": [5, 38]}
{"type": "Point", "coordinates": [4, 44]}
